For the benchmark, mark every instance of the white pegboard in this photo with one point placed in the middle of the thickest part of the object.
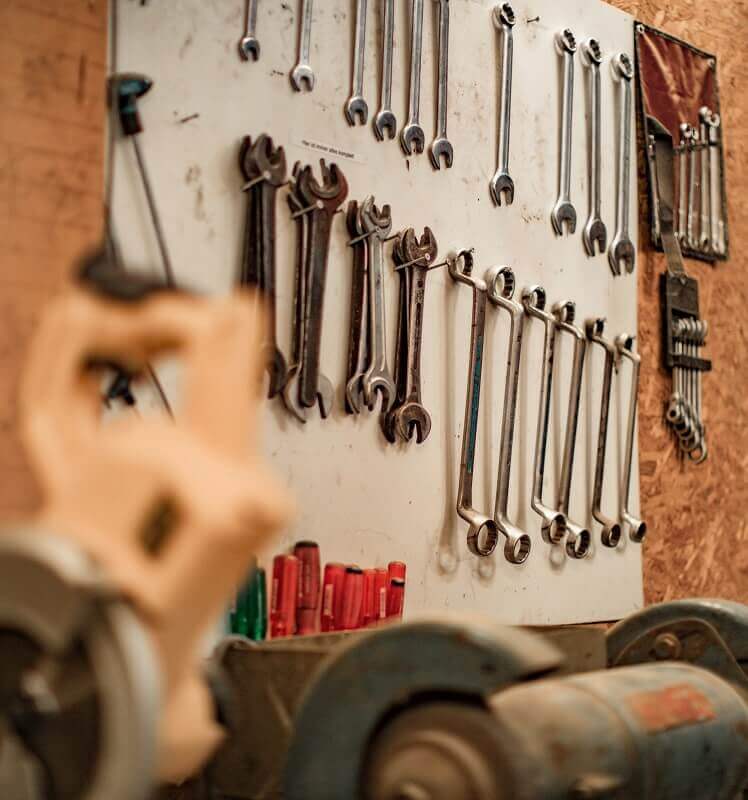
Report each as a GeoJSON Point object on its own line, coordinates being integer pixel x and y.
{"type": "Point", "coordinates": [364, 500]}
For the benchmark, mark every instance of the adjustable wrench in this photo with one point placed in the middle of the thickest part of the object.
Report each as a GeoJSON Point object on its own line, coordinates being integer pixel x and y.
{"type": "Point", "coordinates": [622, 248]}
{"type": "Point", "coordinates": [637, 528]}
{"type": "Point", "coordinates": [578, 538]}
{"type": "Point", "coordinates": [355, 107]}
{"type": "Point", "coordinates": [302, 76]}
{"type": "Point", "coordinates": [483, 533]}
{"type": "Point", "coordinates": [412, 136]}
{"type": "Point", "coordinates": [594, 231]}
{"type": "Point", "coordinates": [385, 118]}
{"type": "Point", "coordinates": [441, 146]}
{"type": "Point", "coordinates": [553, 527]}
{"type": "Point", "coordinates": [502, 183]}
{"type": "Point", "coordinates": [564, 211]}
{"type": "Point", "coordinates": [611, 532]}
{"type": "Point", "coordinates": [326, 198]}
{"type": "Point", "coordinates": [358, 339]}
{"type": "Point", "coordinates": [705, 115]}
{"type": "Point", "coordinates": [249, 46]}
{"type": "Point", "coordinates": [715, 183]}
{"type": "Point", "coordinates": [377, 377]}
{"type": "Point", "coordinates": [500, 282]}
{"type": "Point", "coordinates": [692, 185]}
{"type": "Point", "coordinates": [685, 136]}
{"type": "Point", "coordinates": [411, 414]}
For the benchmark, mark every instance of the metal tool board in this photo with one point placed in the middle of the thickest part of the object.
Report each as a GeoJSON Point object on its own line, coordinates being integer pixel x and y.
{"type": "Point", "coordinates": [364, 500]}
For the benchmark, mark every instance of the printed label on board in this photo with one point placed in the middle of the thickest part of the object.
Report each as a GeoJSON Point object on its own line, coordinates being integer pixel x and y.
{"type": "Point", "coordinates": [331, 151]}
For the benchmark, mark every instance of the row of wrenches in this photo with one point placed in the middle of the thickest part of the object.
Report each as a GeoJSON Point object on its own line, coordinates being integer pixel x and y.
{"type": "Point", "coordinates": [699, 186]}
{"type": "Point", "coordinates": [557, 527]}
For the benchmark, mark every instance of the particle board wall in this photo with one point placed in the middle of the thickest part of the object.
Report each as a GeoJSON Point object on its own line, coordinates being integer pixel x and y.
{"type": "Point", "coordinates": [53, 59]}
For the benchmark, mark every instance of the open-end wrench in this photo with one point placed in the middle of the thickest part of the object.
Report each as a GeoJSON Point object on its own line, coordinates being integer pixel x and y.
{"type": "Point", "coordinates": [302, 75]}
{"type": "Point", "coordinates": [483, 533]}
{"type": "Point", "coordinates": [412, 137]}
{"type": "Point", "coordinates": [714, 184]}
{"type": "Point", "coordinates": [705, 197]}
{"type": "Point", "coordinates": [578, 538]}
{"type": "Point", "coordinates": [693, 181]}
{"type": "Point", "coordinates": [385, 119]}
{"type": "Point", "coordinates": [377, 378]}
{"type": "Point", "coordinates": [685, 136]}
{"type": "Point", "coordinates": [594, 231]}
{"type": "Point", "coordinates": [356, 109]}
{"type": "Point", "coordinates": [553, 526]}
{"type": "Point", "coordinates": [325, 198]}
{"type": "Point", "coordinates": [441, 147]}
{"type": "Point", "coordinates": [500, 283]}
{"type": "Point", "coordinates": [358, 338]}
{"type": "Point", "coordinates": [502, 185]}
{"type": "Point", "coordinates": [622, 250]}
{"type": "Point", "coordinates": [637, 528]}
{"type": "Point", "coordinates": [250, 266]}
{"type": "Point", "coordinates": [249, 46]}
{"type": "Point", "coordinates": [611, 532]}
{"type": "Point", "coordinates": [411, 415]}
{"type": "Point", "coordinates": [564, 211]}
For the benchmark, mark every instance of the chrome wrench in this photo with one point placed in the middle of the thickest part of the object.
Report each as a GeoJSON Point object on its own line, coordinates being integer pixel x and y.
{"type": "Point", "coordinates": [564, 211]}
{"type": "Point", "coordinates": [501, 282]}
{"type": "Point", "coordinates": [705, 115]}
{"type": "Point", "coordinates": [441, 147]}
{"type": "Point", "coordinates": [714, 183]}
{"type": "Point", "coordinates": [412, 136]}
{"type": "Point", "coordinates": [302, 76]}
{"type": "Point", "coordinates": [692, 185]}
{"type": "Point", "coordinates": [502, 184]}
{"type": "Point", "coordinates": [685, 137]}
{"type": "Point", "coordinates": [249, 46]}
{"type": "Point", "coordinates": [594, 231]}
{"type": "Point", "coordinates": [385, 119]}
{"type": "Point", "coordinates": [356, 109]}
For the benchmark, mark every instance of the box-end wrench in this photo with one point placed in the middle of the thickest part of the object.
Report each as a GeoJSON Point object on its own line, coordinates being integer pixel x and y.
{"type": "Point", "coordinates": [377, 378]}
{"type": "Point", "coordinates": [715, 183]}
{"type": "Point", "coordinates": [637, 528]}
{"type": "Point", "coordinates": [412, 137]}
{"type": "Point", "coordinates": [685, 136]}
{"type": "Point", "coordinates": [441, 147]}
{"type": "Point", "coordinates": [502, 185]}
{"type": "Point", "coordinates": [705, 197]}
{"type": "Point", "coordinates": [594, 232]}
{"type": "Point", "coordinates": [622, 250]}
{"type": "Point", "coordinates": [385, 119]}
{"type": "Point", "coordinates": [553, 522]}
{"type": "Point", "coordinates": [692, 186]}
{"type": "Point", "coordinates": [578, 538]}
{"type": "Point", "coordinates": [358, 336]}
{"type": "Point", "coordinates": [483, 533]}
{"type": "Point", "coordinates": [411, 415]}
{"type": "Point", "coordinates": [356, 109]}
{"type": "Point", "coordinates": [302, 75]}
{"type": "Point", "coordinates": [611, 531]}
{"type": "Point", "coordinates": [249, 46]}
{"type": "Point", "coordinates": [325, 199]}
{"type": "Point", "coordinates": [501, 283]}
{"type": "Point", "coordinates": [564, 211]}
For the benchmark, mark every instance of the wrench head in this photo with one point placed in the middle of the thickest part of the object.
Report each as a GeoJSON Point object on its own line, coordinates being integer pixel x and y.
{"type": "Point", "coordinates": [378, 383]}
{"type": "Point", "coordinates": [553, 528]}
{"type": "Point", "coordinates": [637, 527]}
{"type": "Point", "coordinates": [412, 139]}
{"type": "Point", "coordinates": [578, 541]}
{"type": "Point", "coordinates": [332, 192]}
{"type": "Point", "coordinates": [441, 148]}
{"type": "Point", "coordinates": [385, 121]}
{"type": "Point", "coordinates": [374, 221]}
{"type": "Point", "coordinates": [387, 424]}
{"type": "Point", "coordinates": [594, 233]}
{"type": "Point", "coordinates": [411, 248]}
{"type": "Point", "coordinates": [356, 111]}
{"type": "Point", "coordinates": [621, 251]}
{"type": "Point", "coordinates": [412, 417]}
{"type": "Point", "coordinates": [592, 51]}
{"type": "Point", "coordinates": [502, 186]}
{"type": "Point", "coordinates": [249, 48]}
{"type": "Point", "coordinates": [290, 395]}
{"type": "Point", "coordinates": [483, 533]}
{"type": "Point", "coordinates": [564, 212]}
{"type": "Point", "coordinates": [623, 67]}
{"type": "Point", "coordinates": [611, 534]}
{"type": "Point", "coordinates": [517, 546]}
{"type": "Point", "coordinates": [503, 15]}
{"type": "Point", "coordinates": [354, 394]}
{"type": "Point", "coordinates": [302, 78]}
{"type": "Point", "coordinates": [566, 41]}
{"type": "Point", "coordinates": [325, 395]}
{"type": "Point", "coordinates": [267, 160]}
{"type": "Point", "coordinates": [277, 371]}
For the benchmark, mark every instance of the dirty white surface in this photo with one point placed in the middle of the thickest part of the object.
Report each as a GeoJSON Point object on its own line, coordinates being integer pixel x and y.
{"type": "Point", "coordinates": [363, 500]}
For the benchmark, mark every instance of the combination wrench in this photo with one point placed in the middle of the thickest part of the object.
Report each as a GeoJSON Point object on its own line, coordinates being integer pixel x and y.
{"type": "Point", "coordinates": [249, 45]}
{"type": "Point", "coordinates": [578, 538]}
{"type": "Point", "coordinates": [356, 109]}
{"type": "Point", "coordinates": [693, 181]}
{"type": "Point", "coordinates": [302, 76]}
{"type": "Point", "coordinates": [500, 283]}
{"type": "Point", "coordinates": [594, 232]}
{"type": "Point", "coordinates": [553, 522]}
{"type": "Point", "coordinates": [637, 528]}
{"type": "Point", "coordinates": [685, 137]}
{"type": "Point", "coordinates": [564, 211]}
{"type": "Point", "coordinates": [385, 119]}
{"type": "Point", "coordinates": [611, 530]}
{"type": "Point", "coordinates": [714, 184]}
{"type": "Point", "coordinates": [440, 147]}
{"type": "Point", "coordinates": [358, 338]}
{"type": "Point", "coordinates": [377, 378]}
{"type": "Point", "coordinates": [483, 533]}
{"type": "Point", "coordinates": [622, 250]}
{"type": "Point", "coordinates": [502, 184]}
{"type": "Point", "coordinates": [412, 137]}
{"type": "Point", "coordinates": [705, 196]}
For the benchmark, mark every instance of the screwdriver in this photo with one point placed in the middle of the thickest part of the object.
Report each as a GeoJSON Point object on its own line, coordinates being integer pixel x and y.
{"type": "Point", "coordinates": [351, 598]}
{"type": "Point", "coordinates": [369, 604]}
{"type": "Point", "coordinates": [332, 588]}
{"type": "Point", "coordinates": [395, 599]}
{"type": "Point", "coordinates": [380, 595]}
{"type": "Point", "coordinates": [284, 593]}
{"type": "Point", "coordinates": [307, 606]}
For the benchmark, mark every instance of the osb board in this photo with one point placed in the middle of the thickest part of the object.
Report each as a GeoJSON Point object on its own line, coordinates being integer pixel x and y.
{"type": "Point", "coordinates": [699, 529]}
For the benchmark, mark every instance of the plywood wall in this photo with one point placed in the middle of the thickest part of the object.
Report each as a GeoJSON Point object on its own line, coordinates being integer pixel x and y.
{"type": "Point", "coordinates": [52, 65]}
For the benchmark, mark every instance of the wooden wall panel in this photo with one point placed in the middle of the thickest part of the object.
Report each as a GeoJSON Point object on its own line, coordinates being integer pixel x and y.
{"type": "Point", "coordinates": [51, 171]}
